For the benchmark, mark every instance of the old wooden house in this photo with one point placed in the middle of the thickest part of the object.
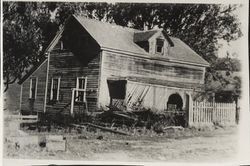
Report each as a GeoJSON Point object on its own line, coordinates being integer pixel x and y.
{"type": "Point", "coordinates": [91, 64]}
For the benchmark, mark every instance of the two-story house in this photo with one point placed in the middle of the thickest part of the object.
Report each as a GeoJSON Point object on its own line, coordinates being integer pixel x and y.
{"type": "Point", "coordinates": [95, 64]}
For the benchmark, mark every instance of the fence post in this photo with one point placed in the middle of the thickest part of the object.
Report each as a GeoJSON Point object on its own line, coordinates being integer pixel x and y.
{"type": "Point", "coordinates": [213, 113]}
{"type": "Point", "coordinates": [235, 113]}
{"type": "Point", "coordinates": [190, 112]}
{"type": "Point", "coordinates": [217, 113]}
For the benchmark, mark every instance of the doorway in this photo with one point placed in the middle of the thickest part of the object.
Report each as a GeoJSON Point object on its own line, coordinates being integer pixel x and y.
{"type": "Point", "coordinates": [175, 102]}
{"type": "Point", "coordinates": [175, 110]}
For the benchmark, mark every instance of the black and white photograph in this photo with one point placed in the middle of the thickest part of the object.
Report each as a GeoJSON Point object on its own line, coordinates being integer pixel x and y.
{"type": "Point", "coordinates": [125, 82]}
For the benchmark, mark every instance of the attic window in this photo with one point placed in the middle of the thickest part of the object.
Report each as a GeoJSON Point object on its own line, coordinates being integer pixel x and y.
{"type": "Point", "coordinates": [159, 46]}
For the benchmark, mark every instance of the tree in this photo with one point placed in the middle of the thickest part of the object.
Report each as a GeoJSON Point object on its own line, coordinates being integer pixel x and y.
{"type": "Point", "coordinates": [198, 25]}
{"type": "Point", "coordinates": [24, 34]}
{"type": "Point", "coordinates": [222, 75]}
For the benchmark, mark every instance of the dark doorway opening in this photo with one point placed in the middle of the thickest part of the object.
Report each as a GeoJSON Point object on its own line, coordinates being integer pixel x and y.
{"type": "Point", "coordinates": [117, 92]}
{"type": "Point", "coordinates": [174, 109]}
{"type": "Point", "coordinates": [175, 102]}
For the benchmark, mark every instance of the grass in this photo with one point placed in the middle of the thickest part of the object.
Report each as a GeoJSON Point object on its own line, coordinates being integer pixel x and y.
{"type": "Point", "coordinates": [186, 145]}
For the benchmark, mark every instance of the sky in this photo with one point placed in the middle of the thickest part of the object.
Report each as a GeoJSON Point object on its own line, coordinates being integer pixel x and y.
{"type": "Point", "coordinates": [234, 48]}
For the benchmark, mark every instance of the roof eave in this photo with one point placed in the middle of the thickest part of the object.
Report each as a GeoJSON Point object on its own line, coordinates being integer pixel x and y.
{"type": "Point", "coordinates": [148, 56]}
{"type": "Point", "coordinates": [31, 71]}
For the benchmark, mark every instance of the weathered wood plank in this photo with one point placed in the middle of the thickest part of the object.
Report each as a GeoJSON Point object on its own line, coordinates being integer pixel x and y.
{"type": "Point", "coordinates": [68, 68]}
{"type": "Point", "coordinates": [38, 103]}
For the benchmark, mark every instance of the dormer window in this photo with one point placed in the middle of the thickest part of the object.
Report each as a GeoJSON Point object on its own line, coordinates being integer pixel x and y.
{"type": "Point", "coordinates": [159, 46]}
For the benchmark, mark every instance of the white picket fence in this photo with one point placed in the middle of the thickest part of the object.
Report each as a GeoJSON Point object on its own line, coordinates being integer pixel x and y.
{"type": "Point", "coordinates": [206, 113]}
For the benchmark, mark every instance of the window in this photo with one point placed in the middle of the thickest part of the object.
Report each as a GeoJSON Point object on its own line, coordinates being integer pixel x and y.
{"type": "Point", "coordinates": [33, 88]}
{"type": "Point", "coordinates": [81, 84]}
{"type": "Point", "coordinates": [159, 46]}
{"type": "Point", "coordinates": [54, 91]}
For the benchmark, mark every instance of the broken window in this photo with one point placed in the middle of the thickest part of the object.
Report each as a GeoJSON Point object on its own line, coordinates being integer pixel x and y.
{"type": "Point", "coordinates": [81, 84]}
{"type": "Point", "coordinates": [55, 86]}
{"type": "Point", "coordinates": [159, 46]}
{"type": "Point", "coordinates": [33, 88]}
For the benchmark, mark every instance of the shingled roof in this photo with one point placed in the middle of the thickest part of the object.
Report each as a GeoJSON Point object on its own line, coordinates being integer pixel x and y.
{"type": "Point", "coordinates": [144, 35]}
{"type": "Point", "coordinates": [124, 39]}
{"type": "Point", "coordinates": [112, 36]}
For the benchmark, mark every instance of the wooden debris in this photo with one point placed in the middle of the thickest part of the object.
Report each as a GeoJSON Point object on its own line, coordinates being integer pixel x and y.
{"type": "Point", "coordinates": [124, 115]}
{"type": "Point", "coordinates": [174, 127]}
{"type": "Point", "coordinates": [29, 118]}
{"type": "Point", "coordinates": [83, 125]}
{"type": "Point", "coordinates": [119, 117]}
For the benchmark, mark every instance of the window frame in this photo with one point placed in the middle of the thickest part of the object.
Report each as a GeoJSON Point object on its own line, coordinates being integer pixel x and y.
{"type": "Point", "coordinates": [85, 87]}
{"type": "Point", "coordinates": [58, 88]}
{"type": "Point", "coordinates": [157, 45]}
{"type": "Point", "coordinates": [30, 89]}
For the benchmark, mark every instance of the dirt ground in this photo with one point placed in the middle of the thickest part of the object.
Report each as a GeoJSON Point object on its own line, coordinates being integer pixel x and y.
{"type": "Point", "coordinates": [217, 145]}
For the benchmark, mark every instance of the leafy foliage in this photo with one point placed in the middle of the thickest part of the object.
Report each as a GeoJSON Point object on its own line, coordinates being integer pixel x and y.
{"type": "Point", "coordinates": [24, 32]}
{"type": "Point", "coordinates": [223, 75]}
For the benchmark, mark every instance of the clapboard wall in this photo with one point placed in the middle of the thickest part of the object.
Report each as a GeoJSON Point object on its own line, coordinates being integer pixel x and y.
{"type": "Point", "coordinates": [154, 97]}
{"type": "Point", "coordinates": [67, 66]}
{"type": "Point", "coordinates": [36, 105]}
{"type": "Point", "coordinates": [76, 54]}
{"type": "Point", "coordinates": [122, 65]}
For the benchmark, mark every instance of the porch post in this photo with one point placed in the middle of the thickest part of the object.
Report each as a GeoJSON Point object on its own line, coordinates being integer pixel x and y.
{"type": "Point", "coordinates": [85, 89]}
{"type": "Point", "coordinates": [21, 94]}
{"type": "Point", "coordinates": [46, 83]}
{"type": "Point", "coordinates": [190, 112]}
{"type": "Point", "coordinates": [72, 101]}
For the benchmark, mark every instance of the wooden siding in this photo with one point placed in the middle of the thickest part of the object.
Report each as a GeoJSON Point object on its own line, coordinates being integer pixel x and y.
{"type": "Point", "coordinates": [122, 65]}
{"type": "Point", "coordinates": [150, 96]}
{"type": "Point", "coordinates": [68, 67]}
{"type": "Point", "coordinates": [119, 65]}
{"type": "Point", "coordinates": [38, 103]}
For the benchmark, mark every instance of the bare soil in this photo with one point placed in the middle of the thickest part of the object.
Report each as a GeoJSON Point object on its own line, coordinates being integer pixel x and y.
{"type": "Point", "coordinates": [216, 145]}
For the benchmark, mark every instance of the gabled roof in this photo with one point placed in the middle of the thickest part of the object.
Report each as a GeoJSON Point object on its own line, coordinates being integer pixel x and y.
{"type": "Point", "coordinates": [111, 36]}
{"type": "Point", "coordinates": [122, 38]}
{"type": "Point", "coordinates": [32, 70]}
{"type": "Point", "coordinates": [182, 52]}
{"type": "Point", "coordinates": [144, 35]}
